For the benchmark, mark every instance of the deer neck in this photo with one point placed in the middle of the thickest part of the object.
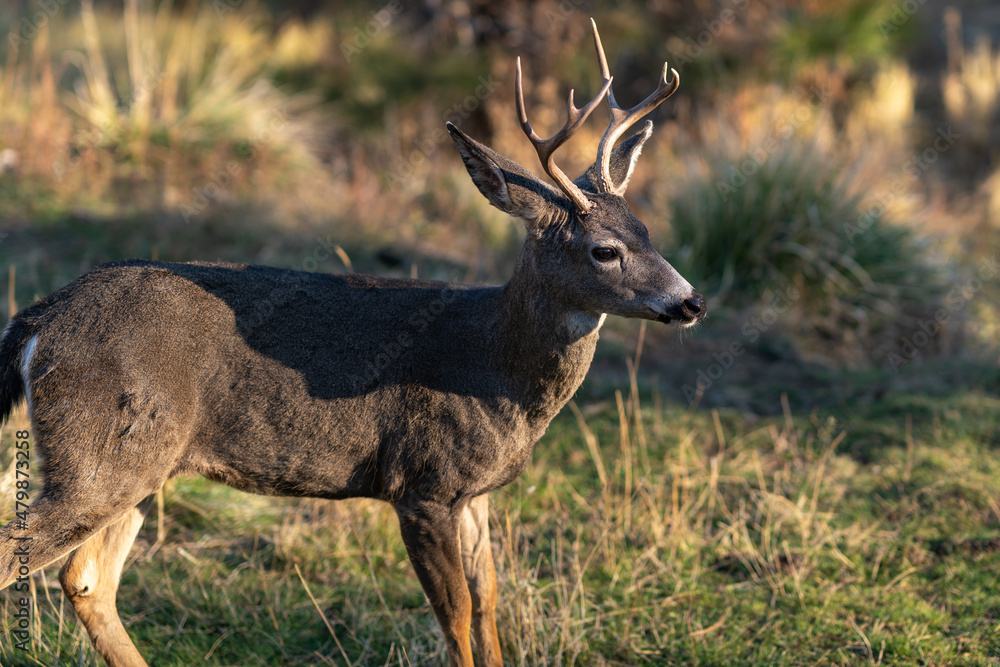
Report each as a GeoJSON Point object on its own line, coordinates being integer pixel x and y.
{"type": "Point", "coordinates": [545, 345]}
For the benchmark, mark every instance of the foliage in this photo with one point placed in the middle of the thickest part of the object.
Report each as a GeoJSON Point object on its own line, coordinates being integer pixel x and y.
{"type": "Point", "coordinates": [794, 220]}
{"type": "Point", "coordinates": [859, 525]}
{"type": "Point", "coordinates": [151, 110]}
{"type": "Point", "coordinates": [638, 535]}
{"type": "Point", "coordinates": [851, 32]}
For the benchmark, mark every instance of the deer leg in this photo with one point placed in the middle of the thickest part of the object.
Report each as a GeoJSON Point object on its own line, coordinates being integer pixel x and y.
{"type": "Point", "coordinates": [430, 533]}
{"type": "Point", "coordinates": [53, 528]}
{"type": "Point", "coordinates": [481, 576]}
{"type": "Point", "coordinates": [76, 504]}
{"type": "Point", "coordinates": [90, 580]}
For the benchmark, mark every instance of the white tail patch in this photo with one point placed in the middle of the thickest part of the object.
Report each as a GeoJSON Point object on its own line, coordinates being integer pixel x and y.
{"type": "Point", "coordinates": [26, 354]}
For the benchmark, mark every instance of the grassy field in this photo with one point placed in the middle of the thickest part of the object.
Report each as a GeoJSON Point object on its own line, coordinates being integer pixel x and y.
{"type": "Point", "coordinates": [641, 533]}
{"type": "Point", "coordinates": [828, 175]}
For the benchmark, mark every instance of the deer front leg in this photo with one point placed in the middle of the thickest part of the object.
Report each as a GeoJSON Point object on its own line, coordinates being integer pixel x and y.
{"type": "Point", "coordinates": [430, 533]}
{"type": "Point", "coordinates": [481, 576]}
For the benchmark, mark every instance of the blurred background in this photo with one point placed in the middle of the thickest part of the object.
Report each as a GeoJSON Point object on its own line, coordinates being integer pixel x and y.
{"type": "Point", "coordinates": [846, 151]}
{"type": "Point", "coordinates": [828, 175]}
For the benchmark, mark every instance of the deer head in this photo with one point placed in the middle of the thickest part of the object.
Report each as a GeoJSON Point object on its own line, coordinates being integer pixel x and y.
{"type": "Point", "coordinates": [583, 241]}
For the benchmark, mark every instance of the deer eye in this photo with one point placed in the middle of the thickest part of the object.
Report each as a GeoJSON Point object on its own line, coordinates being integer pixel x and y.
{"type": "Point", "coordinates": [604, 254]}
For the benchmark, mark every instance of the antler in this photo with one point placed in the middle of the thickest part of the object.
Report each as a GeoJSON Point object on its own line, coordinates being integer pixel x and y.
{"type": "Point", "coordinates": [546, 147]}
{"type": "Point", "coordinates": [622, 119]}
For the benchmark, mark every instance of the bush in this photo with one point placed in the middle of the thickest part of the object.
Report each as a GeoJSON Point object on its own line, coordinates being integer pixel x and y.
{"type": "Point", "coordinates": [744, 230]}
{"type": "Point", "coordinates": [137, 109]}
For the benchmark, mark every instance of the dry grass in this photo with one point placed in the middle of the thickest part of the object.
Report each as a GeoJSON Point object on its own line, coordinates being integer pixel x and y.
{"type": "Point", "coordinates": [162, 109]}
{"type": "Point", "coordinates": [673, 536]}
{"type": "Point", "coordinates": [641, 533]}
{"type": "Point", "coordinates": [971, 86]}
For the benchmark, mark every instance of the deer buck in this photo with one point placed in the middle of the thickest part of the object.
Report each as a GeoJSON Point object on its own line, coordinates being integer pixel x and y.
{"type": "Point", "coordinates": [426, 395]}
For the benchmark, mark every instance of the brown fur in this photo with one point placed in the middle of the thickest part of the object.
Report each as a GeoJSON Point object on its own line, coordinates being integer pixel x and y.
{"type": "Point", "coordinates": [425, 395]}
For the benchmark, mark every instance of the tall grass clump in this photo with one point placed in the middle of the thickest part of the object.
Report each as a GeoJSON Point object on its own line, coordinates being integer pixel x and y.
{"type": "Point", "coordinates": [798, 222]}
{"type": "Point", "coordinates": [884, 113]}
{"type": "Point", "coordinates": [971, 84]}
{"type": "Point", "coordinates": [144, 107]}
{"type": "Point", "coordinates": [843, 34]}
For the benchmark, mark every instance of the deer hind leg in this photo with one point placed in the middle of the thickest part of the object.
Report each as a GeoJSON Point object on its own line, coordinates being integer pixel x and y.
{"type": "Point", "coordinates": [57, 525]}
{"type": "Point", "coordinates": [430, 533]}
{"type": "Point", "coordinates": [87, 492]}
{"type": "Point", "coordinates": [480, 574]}
{"type": "Point", "coordinates": [90, 580]}
{"type": "Point", "coordinates": [53, 528]}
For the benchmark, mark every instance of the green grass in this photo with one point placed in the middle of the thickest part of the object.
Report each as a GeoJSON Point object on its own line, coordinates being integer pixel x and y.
{"type": "Point", "coordinates": [790, 229]}
{"type": "Point", "coordinates": [754, 225]}
{"type": "Point", "coordinates": [848, 33]}
{"type": "Point", "coordinates": [833, 537]}
{"type": "Point", "coordinates": [855, 521]}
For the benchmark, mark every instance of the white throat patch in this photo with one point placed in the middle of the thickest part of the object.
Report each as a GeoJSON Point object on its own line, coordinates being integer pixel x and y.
{"type": "Point", "coordinates": [583, 323]}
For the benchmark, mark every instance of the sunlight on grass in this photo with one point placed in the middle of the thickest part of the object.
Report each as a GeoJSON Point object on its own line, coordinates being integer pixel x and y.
{"type": "Point", "coordinates": [802, 152]}
{"type": "Point", "coordinates": [176, 104]}
{"type": "Point", "coordinates": [971, 86]}
{"type": "Point", "coordinates": [770, 205]}
{"type": "Point", "coordinates": [707, 524]}
{"type": "Point", "coordinates": [884, 115]}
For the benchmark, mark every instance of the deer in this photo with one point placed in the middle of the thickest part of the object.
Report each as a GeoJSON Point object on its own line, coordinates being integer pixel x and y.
{"type": "Point", "coordinates": [426, 395]}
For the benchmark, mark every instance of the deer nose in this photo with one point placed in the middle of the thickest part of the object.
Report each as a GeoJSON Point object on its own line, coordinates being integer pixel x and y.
{"type": "Point", "coordinates": [694, 306]}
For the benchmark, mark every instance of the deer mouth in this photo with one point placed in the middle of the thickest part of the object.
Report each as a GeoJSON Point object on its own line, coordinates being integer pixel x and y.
{"type": "Point", "coordinates": [687, 313]}
{"type": "Point", "coordinates": [679, 321]}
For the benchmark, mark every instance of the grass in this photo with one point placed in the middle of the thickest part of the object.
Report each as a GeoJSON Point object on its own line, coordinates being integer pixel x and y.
{"type": "Point", "coordinates": [971, 87]}
{"type": "Point", "coordinates": [791, 221]}
{"type": "Point", "coordinates": [847, 33]}
{"type": "Point", "coordinates": [151, 111]}
{"type": "Point", "coordinates": [833, 517]}
{"type": "Point", "coordinates": [641, 533]}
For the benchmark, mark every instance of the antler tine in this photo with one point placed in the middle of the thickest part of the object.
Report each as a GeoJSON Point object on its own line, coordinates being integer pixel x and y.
{"type": "Point", "coordinates": [623, 119]}
{"type": "Point", "coordinates": [545, 148]}
{"type": "Point", "coordinates": [603, 61]}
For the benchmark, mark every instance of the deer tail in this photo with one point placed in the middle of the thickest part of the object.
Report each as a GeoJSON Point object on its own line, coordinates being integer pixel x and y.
{"type": "Point", "coordinates": [12, 343]}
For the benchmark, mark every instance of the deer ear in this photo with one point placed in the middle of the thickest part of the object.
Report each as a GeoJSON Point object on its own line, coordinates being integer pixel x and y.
{"type": "Point", "coordinates": [506, 184]}
{"type": "Point", "coordinates": [623, 159]}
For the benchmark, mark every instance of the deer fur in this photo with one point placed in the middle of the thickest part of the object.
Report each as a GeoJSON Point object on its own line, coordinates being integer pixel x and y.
{"type": "Point", "coordinates": [427, 395]}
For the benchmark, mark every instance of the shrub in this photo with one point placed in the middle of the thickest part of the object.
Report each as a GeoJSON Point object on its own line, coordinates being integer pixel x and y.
{"type": "Point", "coordinates": [152, 109]}
{"type": "Point", "coordinates": [746, 229]}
